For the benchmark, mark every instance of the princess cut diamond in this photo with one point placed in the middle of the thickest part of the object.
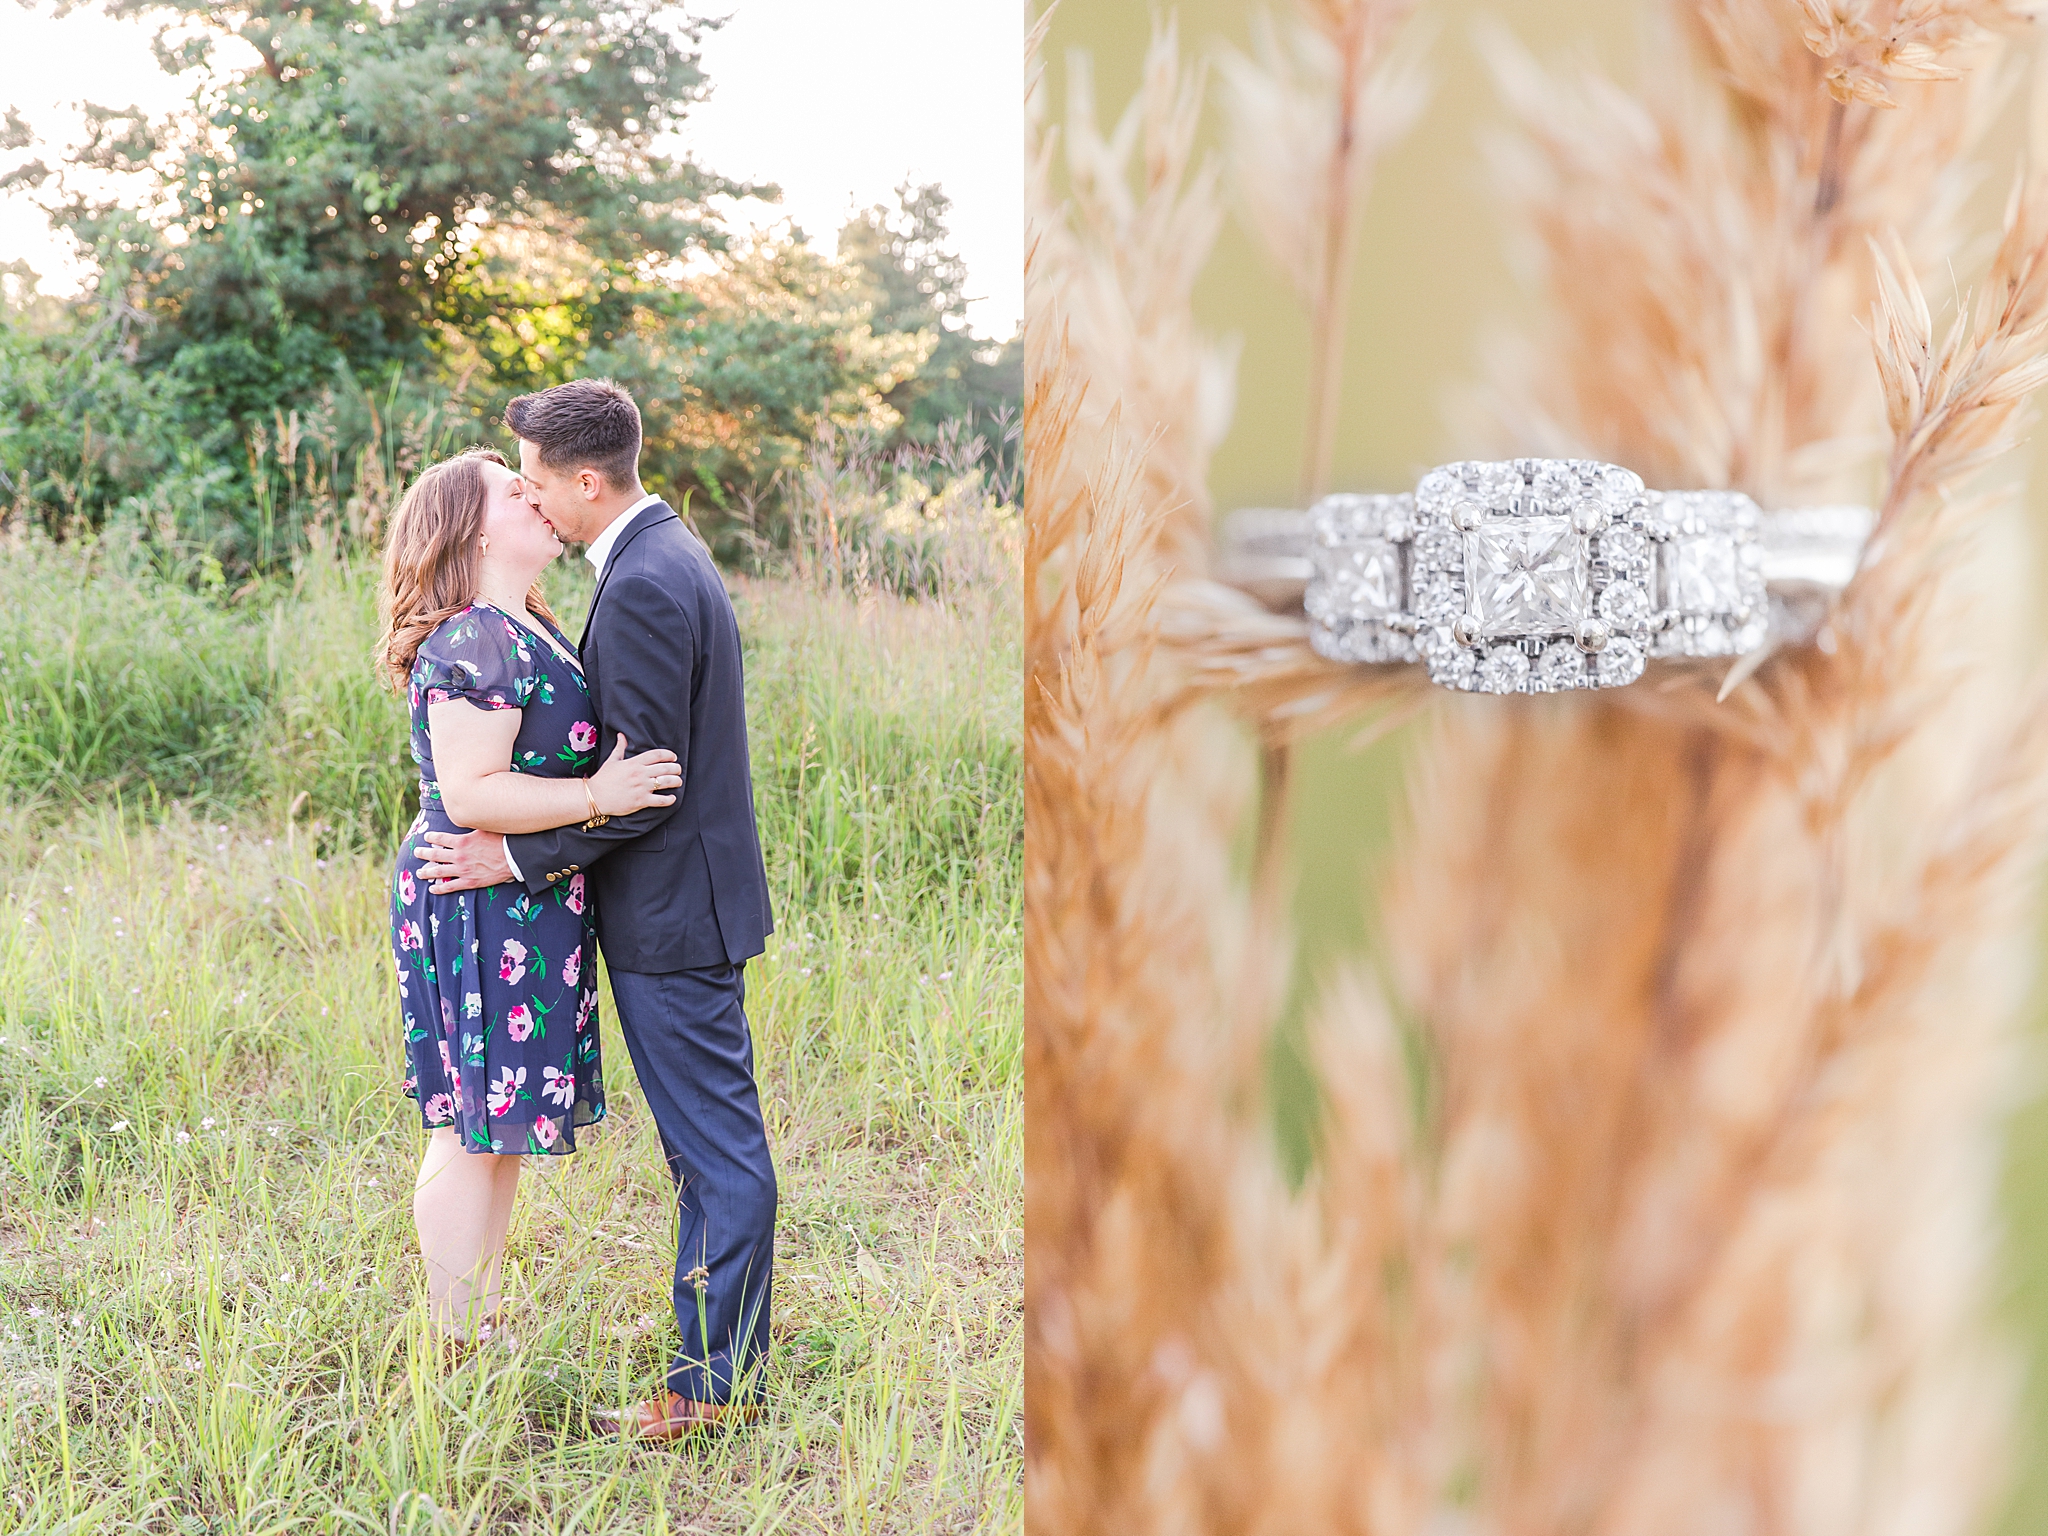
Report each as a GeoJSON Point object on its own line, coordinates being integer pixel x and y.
{"type": "Point", "coordinates": [1701, 575]}
{"type": "Point", "coordinates": [1527, 576]}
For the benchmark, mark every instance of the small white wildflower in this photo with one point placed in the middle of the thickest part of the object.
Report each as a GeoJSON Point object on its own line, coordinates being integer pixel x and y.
{"type": "Point", "coordinates": [805, 971]}
{"type": "Point", "coordinates": [99, 1082]}
{"type": "Point", "coordinates": [120, 1125]}
{"type": "Point", "coordinates": [276, 1131]}
{"type": "Point", "coordinates": [373, 1184]}
{"type": "Point", "coordinates": [67, 890]}
{"type": "Point", "coordinates": [206, 1124]}
{"type": "Point", "coordinates": [183, 1137]}
{"type": "Point", "coordinates": [35, 1311]}
{"type": "Point", "coordinates": [945, 975]}
{"type": "Point", "coordinates": [285, 1276]}
{"type": "Point", "coordinates": [323, 1013]}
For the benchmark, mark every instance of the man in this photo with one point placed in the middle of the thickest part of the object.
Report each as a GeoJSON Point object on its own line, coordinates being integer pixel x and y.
{"type": "Point", "coordinates": [682, 897]}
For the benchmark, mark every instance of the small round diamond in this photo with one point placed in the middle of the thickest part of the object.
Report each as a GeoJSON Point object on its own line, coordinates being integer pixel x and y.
{"type": "Point", "coordinates": [1624, 549]}
{"type": "Point", "coordinates": [1356, 516]}
{"type": "Point", "coordinates": [1504, 670]}
{"type": "Point", "coordinates": [1450, 664]}
{"type": "Point", "coordinates": [1437, 599]}
{"type": "Point", "coordinates": [1620, 487]}
{"type": "Point", "coordinates": [1439, 549]}
{"type": "Point", "coordinates": [1624, 602]}
{"type": "Point", "coordinates": [1436, 486]}
{"type": "Point", "coordinates": [1556, 487]}
{"type": "Point", "coordinates": [1498, 483]}
{"type": "Point", "coordinates": [1619, 661]}
{"type": "Point", "coordinates": [1562, 665]}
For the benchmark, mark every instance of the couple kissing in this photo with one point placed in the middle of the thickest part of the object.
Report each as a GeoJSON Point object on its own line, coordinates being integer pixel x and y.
{"type": "Point", "coordinates": [572, 797]}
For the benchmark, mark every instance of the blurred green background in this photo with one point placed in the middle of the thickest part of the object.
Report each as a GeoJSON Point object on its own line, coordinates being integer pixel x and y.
{"type": "Point", "coordinates": [1433, 275]}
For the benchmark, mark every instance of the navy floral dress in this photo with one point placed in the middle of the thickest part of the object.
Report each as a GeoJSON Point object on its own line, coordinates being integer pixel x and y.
{"type": "Point", "coordinates": [497, 986]}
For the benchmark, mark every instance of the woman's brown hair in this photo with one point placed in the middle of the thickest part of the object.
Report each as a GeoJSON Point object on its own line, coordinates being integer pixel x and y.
{"type": "Point", "coordinates": [431, 558]}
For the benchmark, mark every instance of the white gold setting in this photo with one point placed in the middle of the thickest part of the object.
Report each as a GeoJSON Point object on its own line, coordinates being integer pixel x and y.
{"type": "Point", "coordinates": [1515, 577]}
{"type": "Point", "coordinates": [1357, 598]}
{"type": "Point", "coordinates": [1544, 575]}
{"type": "Point", "coordinates": [1710, 574]}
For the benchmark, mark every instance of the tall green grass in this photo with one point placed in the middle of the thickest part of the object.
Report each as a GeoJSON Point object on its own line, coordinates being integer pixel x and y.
{"type": "Point", "coordinates": [209, 1315]}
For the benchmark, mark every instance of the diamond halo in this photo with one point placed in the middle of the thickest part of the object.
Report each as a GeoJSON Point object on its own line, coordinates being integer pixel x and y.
{"type": "Point", "coordinates": [1534, 568]}
{"type": "Point", "coordinates": [1357, 596]}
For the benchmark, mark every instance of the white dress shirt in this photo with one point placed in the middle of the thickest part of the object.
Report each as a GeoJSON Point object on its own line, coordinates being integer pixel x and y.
{"type": "Point", "coordinates": [600, 550]}
{"type": "Point", "coordinates": [598, 553]}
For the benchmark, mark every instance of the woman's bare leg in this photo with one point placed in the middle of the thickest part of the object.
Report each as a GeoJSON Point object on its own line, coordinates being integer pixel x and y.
{"type": "Point", "coordinates": [456, 1207]}
{"type": "Point", "coordinates": [503, 1187]}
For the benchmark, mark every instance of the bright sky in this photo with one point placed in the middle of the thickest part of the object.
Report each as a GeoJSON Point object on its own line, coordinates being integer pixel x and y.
{"type": "Point", "coordinates": [835, 100]}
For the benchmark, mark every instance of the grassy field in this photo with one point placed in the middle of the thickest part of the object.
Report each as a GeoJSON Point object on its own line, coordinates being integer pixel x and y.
{"type": "Point", "coordinates": [210, 1307]}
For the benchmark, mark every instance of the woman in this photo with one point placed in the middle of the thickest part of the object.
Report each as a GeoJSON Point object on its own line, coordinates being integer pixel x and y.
{"type": "Point", "coordinates": [497, 986]}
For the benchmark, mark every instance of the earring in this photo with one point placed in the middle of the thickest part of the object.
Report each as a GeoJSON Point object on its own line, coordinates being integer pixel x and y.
{"type": "Point", "coordinates": [484, 546]}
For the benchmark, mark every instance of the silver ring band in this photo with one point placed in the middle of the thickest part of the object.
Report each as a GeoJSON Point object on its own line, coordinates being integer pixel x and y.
{"type": "Point", "coordinates": [1544, 575]}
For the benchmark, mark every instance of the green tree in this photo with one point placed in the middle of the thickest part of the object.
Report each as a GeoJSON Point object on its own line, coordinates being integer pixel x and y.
{"type": "Point", "coordinates": [917, 284]}
{"type": "Point", "coordinates": [738, 370]}
{"type": "Point", "coordinates": [379, 178]}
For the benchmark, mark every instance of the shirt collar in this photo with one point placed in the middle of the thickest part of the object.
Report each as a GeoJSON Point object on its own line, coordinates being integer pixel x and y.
{"type": "Point", "coordinates": [600, 551]}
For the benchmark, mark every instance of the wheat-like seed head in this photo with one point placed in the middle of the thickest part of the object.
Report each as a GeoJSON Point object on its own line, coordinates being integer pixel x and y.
{"type": "Point", "coordinates": [1313, 107]}
{"type": "Point", "coordinates": [1654, 1194]}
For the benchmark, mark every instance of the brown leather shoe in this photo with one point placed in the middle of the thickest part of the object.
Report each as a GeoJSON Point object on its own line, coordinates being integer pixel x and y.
{"type": "Point", "coordinates": [671, 1416]}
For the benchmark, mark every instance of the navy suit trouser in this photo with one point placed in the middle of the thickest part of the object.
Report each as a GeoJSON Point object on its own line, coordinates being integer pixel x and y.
{"type": "Point", "coordinates": [688, 1036]}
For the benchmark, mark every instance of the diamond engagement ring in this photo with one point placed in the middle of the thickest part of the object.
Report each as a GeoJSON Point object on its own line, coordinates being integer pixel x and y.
{"type": "Point", "coordinates": [1542, 575]}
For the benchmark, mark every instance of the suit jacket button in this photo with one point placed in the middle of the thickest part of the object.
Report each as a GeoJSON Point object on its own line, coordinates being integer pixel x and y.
{"type": "Point", "coordinates": [554, 875]}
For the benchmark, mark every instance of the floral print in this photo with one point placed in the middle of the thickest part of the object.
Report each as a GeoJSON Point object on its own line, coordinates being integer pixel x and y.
{"type": "Point", "coordinates": [497, 988]}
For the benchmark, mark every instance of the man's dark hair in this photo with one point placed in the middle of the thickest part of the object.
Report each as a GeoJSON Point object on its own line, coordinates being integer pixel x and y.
{"type": "Point", "coordinates": [584, 424]}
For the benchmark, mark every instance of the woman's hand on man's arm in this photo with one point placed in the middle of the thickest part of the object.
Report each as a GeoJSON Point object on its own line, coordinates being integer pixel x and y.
{"type": "Point", "coordinates": [479, 788]}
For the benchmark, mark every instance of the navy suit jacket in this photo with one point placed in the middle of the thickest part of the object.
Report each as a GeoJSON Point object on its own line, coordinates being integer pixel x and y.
{"type": "Point", "coordinates": [677, 887]}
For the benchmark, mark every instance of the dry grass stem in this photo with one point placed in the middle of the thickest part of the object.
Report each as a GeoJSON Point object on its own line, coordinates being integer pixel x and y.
{"type": "Point", "coordinates": [1143, 1339]}
{"type": "Point", "coordinates": [1141, 215]}
{"type": "Point", "coordinates": [1656, 1193]}
{"type": "Point", "coordinates": [1312, 109]}
{"type": "Point", "coordinates": [1722, 1040]}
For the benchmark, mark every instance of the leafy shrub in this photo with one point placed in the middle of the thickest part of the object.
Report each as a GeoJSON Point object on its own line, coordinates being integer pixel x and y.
{"type": "Point", "coordinates": [114, 681]}
{"type": "Point", "coordinates": [883, 732]}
